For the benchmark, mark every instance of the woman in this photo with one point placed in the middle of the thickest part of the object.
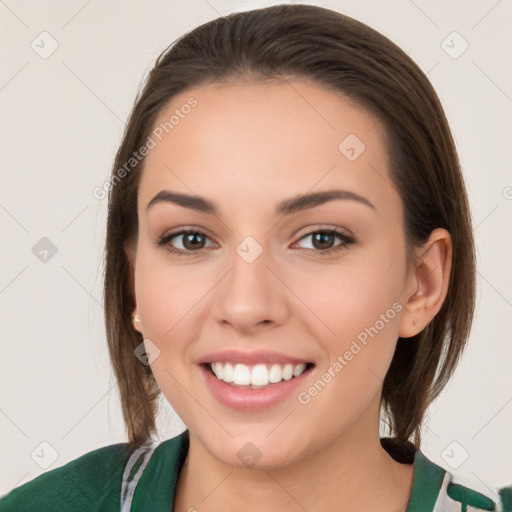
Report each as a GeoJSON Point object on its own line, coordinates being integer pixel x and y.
{"type": "Point", "coordinates": [289, 252]}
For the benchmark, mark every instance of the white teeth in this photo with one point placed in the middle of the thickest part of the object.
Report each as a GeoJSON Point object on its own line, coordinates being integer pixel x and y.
{"type": "Point", "coordinates": [298, 369]}
{"type": "Point", "coordinates": [258, 375]}
{"type": "Point", "coordinates": [242, 376]}
{"type": "Point", "coordinates": [227, 374]}
{"type": "Point", "coordinates": [217, 369]}
{"type": "Point", "coordinates": [288, 372]}
{"type": "Point", "coordinates": [276, 374]}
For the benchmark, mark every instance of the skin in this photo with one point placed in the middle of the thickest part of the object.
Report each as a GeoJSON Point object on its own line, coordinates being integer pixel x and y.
{"type": "Point", "coordinates": [247, 146]}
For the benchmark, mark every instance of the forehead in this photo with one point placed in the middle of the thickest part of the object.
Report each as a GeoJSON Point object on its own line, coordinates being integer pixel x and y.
{"type": "Point", "coordinates": [246, 141]}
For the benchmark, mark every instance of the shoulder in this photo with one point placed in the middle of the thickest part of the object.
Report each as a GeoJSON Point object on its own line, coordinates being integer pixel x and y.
{"type": "Point", "coordinates": [90, 482]}
{"type": "Point", "coordinates": [456, 494]}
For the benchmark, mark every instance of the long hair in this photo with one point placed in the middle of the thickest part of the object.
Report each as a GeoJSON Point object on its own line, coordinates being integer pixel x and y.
{"type": "Point", "coordinates": [343, 55]}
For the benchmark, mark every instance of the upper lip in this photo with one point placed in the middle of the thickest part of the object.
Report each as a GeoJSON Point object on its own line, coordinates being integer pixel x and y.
{"type": "Point", "coordinates": [251, 357]}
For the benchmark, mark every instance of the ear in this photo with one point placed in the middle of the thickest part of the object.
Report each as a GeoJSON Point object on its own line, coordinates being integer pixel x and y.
{"type": "Point", "coordinates": [130, 257]}
{"type": "Point", "coordinates": [427, 283]}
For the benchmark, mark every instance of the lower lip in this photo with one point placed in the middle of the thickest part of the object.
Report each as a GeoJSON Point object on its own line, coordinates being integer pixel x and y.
{"type": "Point", "coordinates": [246, 399]}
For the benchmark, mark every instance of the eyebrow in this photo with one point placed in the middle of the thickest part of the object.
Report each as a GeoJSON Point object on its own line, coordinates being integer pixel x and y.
{"type": "Point", "coordinates": [286, 207]}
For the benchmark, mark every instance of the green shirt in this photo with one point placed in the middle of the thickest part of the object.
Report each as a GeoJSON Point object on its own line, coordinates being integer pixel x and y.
{"type": "Point", "coordinates": [113, 478]}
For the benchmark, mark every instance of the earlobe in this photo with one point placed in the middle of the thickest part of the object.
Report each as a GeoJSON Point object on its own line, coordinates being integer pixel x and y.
{"type": "Point", "coordinates": [429, 281]}
{"type": "Point", "coordinates": [137, 325]}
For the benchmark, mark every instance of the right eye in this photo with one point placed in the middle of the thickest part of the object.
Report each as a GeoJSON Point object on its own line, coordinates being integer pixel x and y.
{"type": "Point", "coordinates": [191, 238]}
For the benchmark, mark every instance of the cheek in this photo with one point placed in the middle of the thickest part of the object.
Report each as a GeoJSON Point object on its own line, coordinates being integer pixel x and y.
{"type": "Point", "coordinates": [166, 296]}
{"type": "Point", "coordinates": [165, 292]}
{"type": "Point", "coordinates": [171, 300]}
{"type": "Point", "coordinates": [351, 296]}
{"type": "Point", "coordinates": [361, 307]}
{"type": "Point", "coordinates": [345, 297]}
{"type": "Point", "coordinates": [360, 303]}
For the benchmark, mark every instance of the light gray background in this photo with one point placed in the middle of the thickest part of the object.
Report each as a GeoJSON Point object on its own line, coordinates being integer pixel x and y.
{"type": "Point", "coordinates": [62, 120]}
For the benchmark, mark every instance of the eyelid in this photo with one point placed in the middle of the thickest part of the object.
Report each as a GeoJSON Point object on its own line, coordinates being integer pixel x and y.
{"type": "Point", "coordinates": [164, 239]}
{"type": "Point", "coordinates": [324, 227]}
{"type": "Point", "coordinates": [344, 234]}
{"type": "Point", "coordinates": [340, 233]}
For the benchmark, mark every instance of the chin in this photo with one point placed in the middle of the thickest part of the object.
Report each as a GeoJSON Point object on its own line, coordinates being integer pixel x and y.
{"type": "Point", "coordinates": [254, 449]}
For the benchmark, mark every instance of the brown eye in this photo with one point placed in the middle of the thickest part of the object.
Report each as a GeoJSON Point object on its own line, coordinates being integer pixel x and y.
{"type": "Point", "coordinates": [191, 242]}
{"type": "Point", "coordinates": [323, 240]}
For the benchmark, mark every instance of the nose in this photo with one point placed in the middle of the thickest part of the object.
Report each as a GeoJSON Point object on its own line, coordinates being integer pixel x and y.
{"type": "Point", "coordinates": [251, 296]}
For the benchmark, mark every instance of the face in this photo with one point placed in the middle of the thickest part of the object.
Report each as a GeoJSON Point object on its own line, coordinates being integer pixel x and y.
{"type": "Point", "coordinates": [270, 279]}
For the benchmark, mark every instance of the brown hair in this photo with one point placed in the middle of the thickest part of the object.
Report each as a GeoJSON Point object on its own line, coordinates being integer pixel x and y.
{"type": "Point", "coordinates": [343, 55]}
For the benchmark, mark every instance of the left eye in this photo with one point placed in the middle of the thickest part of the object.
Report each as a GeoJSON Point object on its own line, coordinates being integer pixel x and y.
{"type": "Point", "coordinates": [322, 238]}
{"type": "Point", "coordinates": [193, 241]}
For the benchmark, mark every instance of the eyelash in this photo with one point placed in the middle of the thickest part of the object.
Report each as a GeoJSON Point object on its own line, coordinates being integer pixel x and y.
{"type": "Point", "coordinates": [164, 241]}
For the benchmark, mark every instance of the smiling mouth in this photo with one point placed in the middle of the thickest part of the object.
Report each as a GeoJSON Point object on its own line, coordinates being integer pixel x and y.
{"type": "Point", "coordinates": [256, 376]}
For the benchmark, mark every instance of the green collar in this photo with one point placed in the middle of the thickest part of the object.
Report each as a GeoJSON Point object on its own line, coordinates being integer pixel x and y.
{"type": "Point", "coordinates": [170, 455]}
{"type": "Point", "coordinates": [427, 481]}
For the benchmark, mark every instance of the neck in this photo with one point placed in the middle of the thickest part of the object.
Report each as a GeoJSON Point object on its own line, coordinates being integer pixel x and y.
{"type": "Point", "coordinates": [353, 470]}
